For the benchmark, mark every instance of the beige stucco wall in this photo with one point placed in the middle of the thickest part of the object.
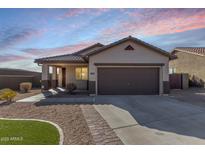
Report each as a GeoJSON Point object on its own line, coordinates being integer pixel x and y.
{"type": "Point", "coordinates": [141, 54]}
{"type": "Point", "coordinates": [189, 63]}
{"type": "Point", "coordinates": [70, 77]}
{"type": "Point", "coordinates": [117, 54]}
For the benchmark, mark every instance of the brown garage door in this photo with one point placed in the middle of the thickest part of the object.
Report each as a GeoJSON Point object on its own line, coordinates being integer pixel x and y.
{"type": "Point", "coordinates": [128, 81]}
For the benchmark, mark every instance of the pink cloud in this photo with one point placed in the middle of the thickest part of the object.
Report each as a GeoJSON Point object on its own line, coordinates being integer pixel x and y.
{"type": "Point", "coordinates": [82, 11]}
{"type": "Point", "coordinates": [158, 22]}
{"type": "Point", "coordinates": [74, 12]}
{"type": "Point", "coordinates": [56, 51]}
{"type": "Point", "coordinates": [11, 57]}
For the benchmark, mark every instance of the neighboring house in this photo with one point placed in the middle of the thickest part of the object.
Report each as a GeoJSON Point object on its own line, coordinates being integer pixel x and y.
{"type": "Point", "coordinates": [11, 78]}
{"type": "Point", "coordinates": [127, 66]}
{"type": "Point", "coordinates": [189, 60]}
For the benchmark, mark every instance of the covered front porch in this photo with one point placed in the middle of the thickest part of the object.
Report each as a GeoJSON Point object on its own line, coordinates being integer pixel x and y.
{"type": "Point", "coordinates": [60, 75]}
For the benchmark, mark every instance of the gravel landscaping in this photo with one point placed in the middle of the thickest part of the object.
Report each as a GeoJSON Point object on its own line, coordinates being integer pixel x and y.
{"type": "Point", "coordinates": [69, 117]}
{"type": "Point", "coordinates": [80, 122]}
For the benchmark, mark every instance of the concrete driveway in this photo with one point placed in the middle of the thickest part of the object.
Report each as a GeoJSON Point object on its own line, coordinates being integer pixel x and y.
{"type": "Point", "coordinates": [153, 119]}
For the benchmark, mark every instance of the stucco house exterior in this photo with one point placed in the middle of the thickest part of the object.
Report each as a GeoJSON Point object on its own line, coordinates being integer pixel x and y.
{"type": "Point", "coordinates": [126, 67]}
{"type": "Point", "coordinates": [189, 60]}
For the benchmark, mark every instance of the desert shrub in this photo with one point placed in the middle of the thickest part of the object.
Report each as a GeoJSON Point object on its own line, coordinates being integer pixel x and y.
{"type": "Point", "coordinates": [25, 86]}
{"type": "Point", "coordinates": [7, 94]}
{"type": "Point", "coordinates": [195, 81]}
{"type": "Point", "coordinates": [71, 87]}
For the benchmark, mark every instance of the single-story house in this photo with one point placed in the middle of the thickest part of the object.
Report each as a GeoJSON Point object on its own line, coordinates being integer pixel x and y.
{"type": "Point", "coordinates": [189, 60]}
{"type": "Point", "coordinates": [126, 67]}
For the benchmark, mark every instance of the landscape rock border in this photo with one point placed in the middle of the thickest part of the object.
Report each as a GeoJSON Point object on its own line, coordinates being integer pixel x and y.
{"type": "Point", "coordinates": [101, 132]}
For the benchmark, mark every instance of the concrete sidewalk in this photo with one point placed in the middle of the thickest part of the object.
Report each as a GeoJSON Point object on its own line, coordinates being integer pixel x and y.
{"type": "Point", "coordinates": [66, 100]}
{"type": "Point", "coordinates": [43, 99]}
{"type": "Point", "coordinates": [38, 97]}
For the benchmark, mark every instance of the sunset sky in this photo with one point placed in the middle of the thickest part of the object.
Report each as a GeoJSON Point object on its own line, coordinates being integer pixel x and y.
{"type": "Point", "coordinates": [27, 34]}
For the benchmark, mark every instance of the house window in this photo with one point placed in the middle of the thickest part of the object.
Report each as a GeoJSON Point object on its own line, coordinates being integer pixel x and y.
{"type": "Point", "coordinates": [81, 73]}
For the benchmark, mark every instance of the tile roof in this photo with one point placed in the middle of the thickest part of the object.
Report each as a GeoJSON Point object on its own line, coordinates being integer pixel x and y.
{"type": "Point", "coordinates": [62, 58]}
{"type": "Point", "coordinates": [76, 57]}
{"type": "Point", "coordinates": [193, 50]}
{"type": "Point", "coordinates": [88, 49]}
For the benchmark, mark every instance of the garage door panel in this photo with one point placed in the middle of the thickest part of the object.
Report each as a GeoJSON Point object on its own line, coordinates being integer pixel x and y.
{"type": "Point", "coordinates": [128, 81]}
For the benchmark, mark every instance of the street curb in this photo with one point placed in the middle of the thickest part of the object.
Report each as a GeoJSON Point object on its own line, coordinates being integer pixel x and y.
{"type": "Point", "coordinates": [40, 120]}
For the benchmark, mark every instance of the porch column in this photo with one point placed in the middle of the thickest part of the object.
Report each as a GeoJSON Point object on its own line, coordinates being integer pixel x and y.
{"type": "Point", "coordinates": [54, 77]}
{"type": "Point", "coordinates": [60, 77]}
{"type": "Point", "coordinates": [67, 75]}
{"type": "Point", "coordinates": [45, 77]}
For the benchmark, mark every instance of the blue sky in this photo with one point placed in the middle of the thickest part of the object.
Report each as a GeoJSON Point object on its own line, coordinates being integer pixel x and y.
{"type": "Point", "coordinates": [26, 34]}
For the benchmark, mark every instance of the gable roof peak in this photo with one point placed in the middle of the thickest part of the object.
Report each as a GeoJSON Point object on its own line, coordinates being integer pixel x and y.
{"type": "Point", "coordinates": [136, 40]}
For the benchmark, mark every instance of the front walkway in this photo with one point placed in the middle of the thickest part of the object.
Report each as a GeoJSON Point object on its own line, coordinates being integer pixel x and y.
{"type": "Point", "coordinates": [38, 97]}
